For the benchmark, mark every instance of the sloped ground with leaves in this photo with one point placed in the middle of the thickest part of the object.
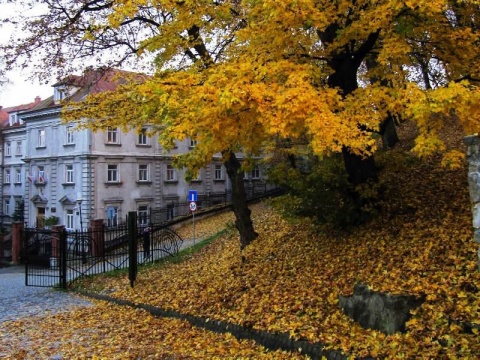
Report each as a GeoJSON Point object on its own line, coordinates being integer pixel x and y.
{"type": "Point", "coordinates": [289, 280]}
{"type": "Point", "coordinates": [106, 331]}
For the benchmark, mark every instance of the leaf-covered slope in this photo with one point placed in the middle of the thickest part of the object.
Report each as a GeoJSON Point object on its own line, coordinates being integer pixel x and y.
{"type": "Point", "coordinates": [106, 331]}
{"type": "Point", "coordinates": [292, 275]}
{"type": "Point", "coordinates": [290, 278]}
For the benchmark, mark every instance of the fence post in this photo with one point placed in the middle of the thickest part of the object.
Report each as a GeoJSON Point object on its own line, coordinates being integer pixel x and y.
{"type": "Point", "coordinates": [56, 252]}
{"type": "Point", "coordinates": [17, 231]}
{"type": "Point", "coordinates": [132, 247]}
{"type": "Point", "coordinates": [63, 257]}
{"type": "Point", "coordinates": [98, 246]}
{"type": "Point", "coordinates": [2, 241]}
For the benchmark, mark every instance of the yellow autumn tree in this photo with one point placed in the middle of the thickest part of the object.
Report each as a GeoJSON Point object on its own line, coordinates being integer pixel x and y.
{"type": "Point", "coordinates": [236, 74]}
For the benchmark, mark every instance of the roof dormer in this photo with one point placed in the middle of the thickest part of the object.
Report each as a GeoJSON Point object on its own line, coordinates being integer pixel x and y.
{"type": "Point", "coordinates": [14, 119]}
{"type": "Point", "coordinates": [65, 88]}
{"type": "Point", "coordinates": [59, 93]}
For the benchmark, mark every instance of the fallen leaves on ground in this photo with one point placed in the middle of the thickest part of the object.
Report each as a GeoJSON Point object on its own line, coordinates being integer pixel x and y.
{"type": "Point", "coordinates": [289, 279]}
{"type": "Point", "coordinates": [107, 331]}
{"type": "Point", "coordinates": [292, 275]}
{"type": "Point", "coordinates": [206, 226]}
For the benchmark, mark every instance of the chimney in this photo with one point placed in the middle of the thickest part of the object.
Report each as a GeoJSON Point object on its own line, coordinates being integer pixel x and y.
{"type": "Point", "coordinates": [37, 99]}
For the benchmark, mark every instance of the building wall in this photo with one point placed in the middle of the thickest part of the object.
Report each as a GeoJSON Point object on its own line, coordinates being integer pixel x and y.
{"type": "Point", "coordinates": [13, 189]}
{"type": "Point", "coordinates": [88, 157]}
{"type": "Point", "coordinates": [49, 192]}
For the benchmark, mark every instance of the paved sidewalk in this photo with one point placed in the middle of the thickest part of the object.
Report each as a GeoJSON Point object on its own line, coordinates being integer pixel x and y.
{"type": "Point", "coordinates": [18, 300]}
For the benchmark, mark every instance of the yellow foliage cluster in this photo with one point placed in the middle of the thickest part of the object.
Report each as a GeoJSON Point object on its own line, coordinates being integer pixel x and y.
{"type": "Point", "coordinates": [270, 78]}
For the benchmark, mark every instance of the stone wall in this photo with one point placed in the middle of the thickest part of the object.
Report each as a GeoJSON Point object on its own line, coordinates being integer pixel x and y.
{"type": "Point", "coordinates": [387, 313]}
{"type": "Point", "coordinates": [473, 157]}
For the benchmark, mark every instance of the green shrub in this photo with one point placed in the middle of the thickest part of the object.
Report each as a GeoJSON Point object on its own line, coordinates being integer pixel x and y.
{"type": "Point", "coordinates": [318, 188]}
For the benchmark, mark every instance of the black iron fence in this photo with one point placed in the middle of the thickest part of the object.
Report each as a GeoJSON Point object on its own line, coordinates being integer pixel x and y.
{"type": "Point", "coordinates": [55, 258]}
{"type": "Point", "coordinates": [176, 210]}
{"type": "Point", "coordinates": [42, 254]}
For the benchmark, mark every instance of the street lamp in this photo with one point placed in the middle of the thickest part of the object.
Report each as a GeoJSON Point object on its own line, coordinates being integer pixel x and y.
{"type": "Point", "coordinates": [79, 202]}
{"type": "Point", "coordinates": [82, 239]}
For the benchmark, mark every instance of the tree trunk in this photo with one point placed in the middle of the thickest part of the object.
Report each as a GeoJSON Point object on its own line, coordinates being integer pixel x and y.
{"type": "Point", "coordinates": [243, 221]}
{"type": "Point", "coordinates": [360, 170]}
{"type": "Point", "coordinates": [388, 131]}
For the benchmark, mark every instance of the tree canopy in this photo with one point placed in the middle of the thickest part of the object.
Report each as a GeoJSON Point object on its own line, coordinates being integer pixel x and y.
{"type": "Point", "coordinates": [236, 74]}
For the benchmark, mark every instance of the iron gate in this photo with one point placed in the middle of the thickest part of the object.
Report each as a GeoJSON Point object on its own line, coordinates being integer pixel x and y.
{"type": "Point", "coordinates": [56, 258]}
{"type": "Point", "coordinates": [43, 254]}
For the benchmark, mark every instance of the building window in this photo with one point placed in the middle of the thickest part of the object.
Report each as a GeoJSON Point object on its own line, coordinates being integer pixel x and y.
{"type": "Point", "coordinates": [18, 211]}
{"type": "Point", "coordinates": [69, 218]}
{"type": "Point", "coordinates": [19, 148]}
{"type": "Point", "coordinates": [193, 143]}
{"type": "Point", "coordinates": [69, 173]}
{"type": "Point", "coordinates": [8, 148]}
{"type": "Point", "coordinates": [41, 138]}
{"type": "Point", "coordinates": [142, 137]}
{"type": "Point", "coordinates": [70, 136]}
{"type": "Point", "coordinates": [7, 176]}
{"type": "Point", "coordinates": [41, 175]}
{"type": "Point", "coordinates": [112, 136]}
{"type": "Point", "coordinates": [112, 216]}
{"type": "Point", "coordinates": [142, 212]}
{"type": "Point", "coordinates": [6, 207]}
{"type": "Point", "coordinates": [218, 174]}
{"type": "Point", "coordinates": [59, 94]}
{"type": "Point", "coordinates": [18, 176]}
{"type": "Point", "coordinates": [112, 173]}
{"type": "Point", "coordinates": [255, 172]}
{"type": "Point", "coordinates": [171, 174]}
{"type": "Point", "coordinates": [143, 173]}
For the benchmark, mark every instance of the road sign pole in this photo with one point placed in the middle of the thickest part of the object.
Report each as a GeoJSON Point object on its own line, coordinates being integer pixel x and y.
{"type": "Point", "coordinates": [193, 208]}
{"type": "Point", "coordinates": [193, 220]}
{"type": "Point", "coordinates": [193, 197]}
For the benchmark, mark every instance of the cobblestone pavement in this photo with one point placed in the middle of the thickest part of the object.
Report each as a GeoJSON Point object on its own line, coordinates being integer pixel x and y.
{"type": "Point", "coordinates": [18, 300]}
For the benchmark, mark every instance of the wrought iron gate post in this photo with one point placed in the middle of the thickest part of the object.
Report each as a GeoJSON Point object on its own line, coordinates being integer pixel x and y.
{"type": "Point", "coordinates": [24, 253]}
{"type": "Point", "coordinates": [132, 247]}
{"type": "Point", "coordinates": [63, 258]}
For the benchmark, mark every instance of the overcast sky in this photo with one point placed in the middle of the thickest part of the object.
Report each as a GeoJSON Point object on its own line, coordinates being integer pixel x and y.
{"type": "Point", "coordinates": [21, 90]}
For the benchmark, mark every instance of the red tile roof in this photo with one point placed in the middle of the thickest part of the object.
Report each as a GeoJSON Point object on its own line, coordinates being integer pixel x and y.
{"type": "Point", "coordinates": [4, 112]}
{"type": "Point", "coordinates": [92, 81]}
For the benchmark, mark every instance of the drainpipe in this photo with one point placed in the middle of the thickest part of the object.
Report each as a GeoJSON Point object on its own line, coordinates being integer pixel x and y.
{"type": "Point", "coordinates": [89, 177]}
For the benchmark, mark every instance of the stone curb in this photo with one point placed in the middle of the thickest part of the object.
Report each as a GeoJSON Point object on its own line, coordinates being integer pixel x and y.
{"type": "Point", "coordinates": [277, 341]}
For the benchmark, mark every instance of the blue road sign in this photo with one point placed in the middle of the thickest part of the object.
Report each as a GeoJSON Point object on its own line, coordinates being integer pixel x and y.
{"type": "Point", "coordinates": [192, 195]}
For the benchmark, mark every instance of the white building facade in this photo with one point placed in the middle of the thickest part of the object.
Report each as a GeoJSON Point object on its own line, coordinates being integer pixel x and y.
{"type": "Point", "coordinates": [80, 175]}
{"type": "Point", "coordinates": [59, 172]}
